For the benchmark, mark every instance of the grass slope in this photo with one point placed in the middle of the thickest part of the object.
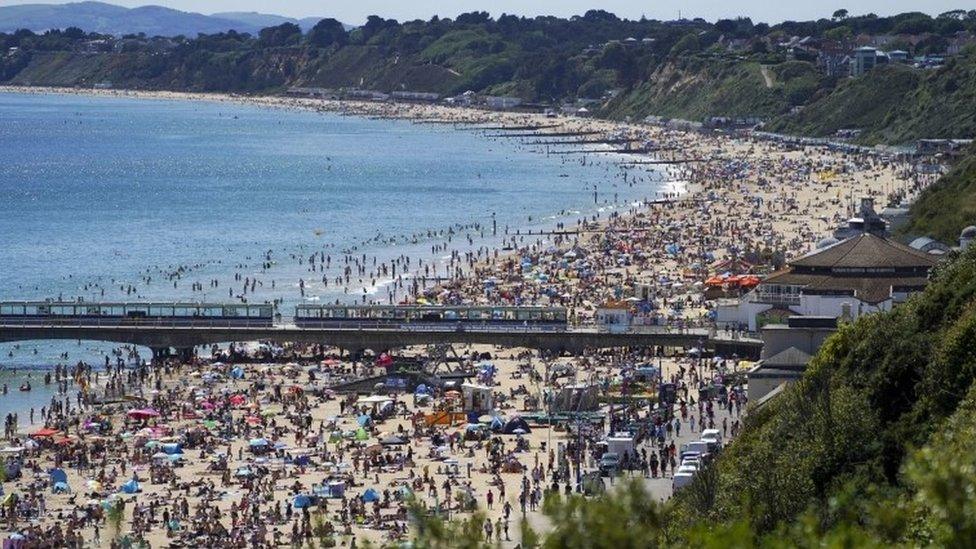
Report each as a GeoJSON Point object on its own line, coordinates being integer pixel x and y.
{"type": "Point", "coordinates": [945, 208]}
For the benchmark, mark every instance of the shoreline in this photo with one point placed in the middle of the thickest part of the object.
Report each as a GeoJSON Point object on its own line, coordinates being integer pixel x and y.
{"type": "Point", "coordinates": [748, 196]}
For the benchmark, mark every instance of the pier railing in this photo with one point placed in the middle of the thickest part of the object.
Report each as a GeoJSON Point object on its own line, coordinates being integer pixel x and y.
{"type": "Point", "coordinates": [445, 327]}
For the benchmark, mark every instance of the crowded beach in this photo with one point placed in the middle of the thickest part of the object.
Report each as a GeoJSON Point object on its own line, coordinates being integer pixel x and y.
{"type": "Point", "coordinates": [273, 444]}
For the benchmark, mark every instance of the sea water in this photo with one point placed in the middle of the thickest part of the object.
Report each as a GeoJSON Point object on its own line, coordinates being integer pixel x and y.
{"type": "Point", "coordinates": [105, 198]}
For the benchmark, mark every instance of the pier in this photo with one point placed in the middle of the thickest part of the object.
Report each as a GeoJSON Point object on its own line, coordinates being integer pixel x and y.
{"type": "Point", "coordinates": [163, 337]}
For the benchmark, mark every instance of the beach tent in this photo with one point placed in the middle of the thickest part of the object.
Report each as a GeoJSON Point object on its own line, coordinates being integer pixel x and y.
{"type": "Point", "coordinates": [361, 434]}
{"type": "Point", "coordinates": [392, 440]}
{"type": "Point", "coordinates": [237, 372]}
{"type": "Point", "coordinates": [243, 472]}
{"type": "Point", "coordinates": [497, 424]}
{"type": "Point", "coordinates": [302, 501]}
{"type": "Point", "coordinates": [421, 390]}
{"type": "Point", "coordinates": [258, 442]}
{"type": "Point", "coordinates": [364, 420]}
{"type": "Point", "coordinates": [172, 448]}
{"type": "Point", "coordinates": [370, 496]}
{"type": "Point", "coordinates": [61, 488]}
{"type": "Point", "coordinates": [58, 475]}
{"type": "Point", "coordinates": [516, 423]}
{"type": "Point", "coordinates": [130, 487]}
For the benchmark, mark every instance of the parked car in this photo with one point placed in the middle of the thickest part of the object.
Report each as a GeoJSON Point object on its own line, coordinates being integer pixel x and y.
{"type": "Point", "coordinates": [609, 463]}
{"type": "Point", "coordinates": [681, 480]}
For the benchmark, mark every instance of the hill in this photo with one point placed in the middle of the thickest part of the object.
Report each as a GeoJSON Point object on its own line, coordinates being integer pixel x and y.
{"type": "Point", "coordinates": [259, 21]}
{"type": "Point", "coordinates": [895, 104]}
{"type": "Point", "coordinates": [948, 206]}
{"type": "Point", "coordinates": [99, 17]}
{"type": "Point", "coordinates": [618, 68]}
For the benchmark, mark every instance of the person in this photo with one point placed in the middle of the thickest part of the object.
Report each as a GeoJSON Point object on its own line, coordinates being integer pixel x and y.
{"type": "Point", "coordinates": [491, 499]}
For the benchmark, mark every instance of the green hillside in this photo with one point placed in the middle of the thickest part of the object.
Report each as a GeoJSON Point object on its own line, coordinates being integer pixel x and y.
{"type": "Point", "coordinates": [945, 208]}
{"type": "Point", "coordinates": [689, 69]}
{"type": "Point", "coordinates": [697, 88]}
{"type": "Point", "coordinates": [895, 104]}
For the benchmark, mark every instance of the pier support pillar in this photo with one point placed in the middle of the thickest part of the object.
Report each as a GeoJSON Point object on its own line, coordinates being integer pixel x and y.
{"type": "Point", "coordinates": [160, 353]}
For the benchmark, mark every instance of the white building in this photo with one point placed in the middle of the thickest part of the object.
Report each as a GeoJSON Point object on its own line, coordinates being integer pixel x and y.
{"type": "Point", "coordinates": [863, 274]}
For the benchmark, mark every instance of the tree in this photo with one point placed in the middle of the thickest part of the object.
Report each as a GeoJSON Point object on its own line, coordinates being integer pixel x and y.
{"type": "Point", "coordinates": [840, 15]}
{"type": "Point", "coordinates": [688, 44]}
{"type": "Point", "coordinates": [285, 34]}
{"type": "Point", "coordinates": [328, 32]}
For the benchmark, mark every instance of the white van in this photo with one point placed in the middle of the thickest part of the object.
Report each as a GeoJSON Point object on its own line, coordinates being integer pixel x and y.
{"type": "Point", "coordinates": [700, 446]}
{"type": "Point", "coordinates": [681, 480]}
{"type": "Point", "coordinates": [687, 468]}
{"type": "Point", "coordinates": [712, 435]}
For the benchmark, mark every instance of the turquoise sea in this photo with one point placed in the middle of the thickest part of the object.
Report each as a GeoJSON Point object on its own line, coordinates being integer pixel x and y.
{"type": "Point", "coordinates": [105, 198]}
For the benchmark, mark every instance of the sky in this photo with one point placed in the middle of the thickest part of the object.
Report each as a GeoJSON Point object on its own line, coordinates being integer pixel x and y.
{"type": "Point", "coordinates": [770, 11]}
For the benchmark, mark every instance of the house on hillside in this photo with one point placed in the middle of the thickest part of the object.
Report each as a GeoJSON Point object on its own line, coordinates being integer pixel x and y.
{"type": "Point", "coordinates": [865, 59]}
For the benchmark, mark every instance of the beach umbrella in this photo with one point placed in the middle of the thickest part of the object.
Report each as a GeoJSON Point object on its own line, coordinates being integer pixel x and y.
{"type": "Point", "coordinates": [144, 413]}
{"type": "Point", "coordinates": [160, 455]}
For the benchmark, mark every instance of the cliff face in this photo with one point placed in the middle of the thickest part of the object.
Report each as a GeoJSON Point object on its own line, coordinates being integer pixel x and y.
{"type": "Point", "coordinates": [893, 104]}
{"type": "Point", "coordinates": [695, 89]}
{"type": "Point", "coordinates": [248, 71]}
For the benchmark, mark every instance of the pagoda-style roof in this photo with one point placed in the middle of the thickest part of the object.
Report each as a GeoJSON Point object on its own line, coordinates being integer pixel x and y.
{"type": "Point", "coordinates": [866, 251]}
{"type": "Point", "coordinates": [866, 266]}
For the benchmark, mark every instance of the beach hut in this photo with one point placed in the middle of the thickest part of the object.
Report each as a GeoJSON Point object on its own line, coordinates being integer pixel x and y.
{"type": "Point", "coordinates": [370, 495]}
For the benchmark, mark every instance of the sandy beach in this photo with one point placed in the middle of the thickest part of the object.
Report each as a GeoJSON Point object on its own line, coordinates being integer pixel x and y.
{"type": "Point", "coordinates": [252, 446]}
